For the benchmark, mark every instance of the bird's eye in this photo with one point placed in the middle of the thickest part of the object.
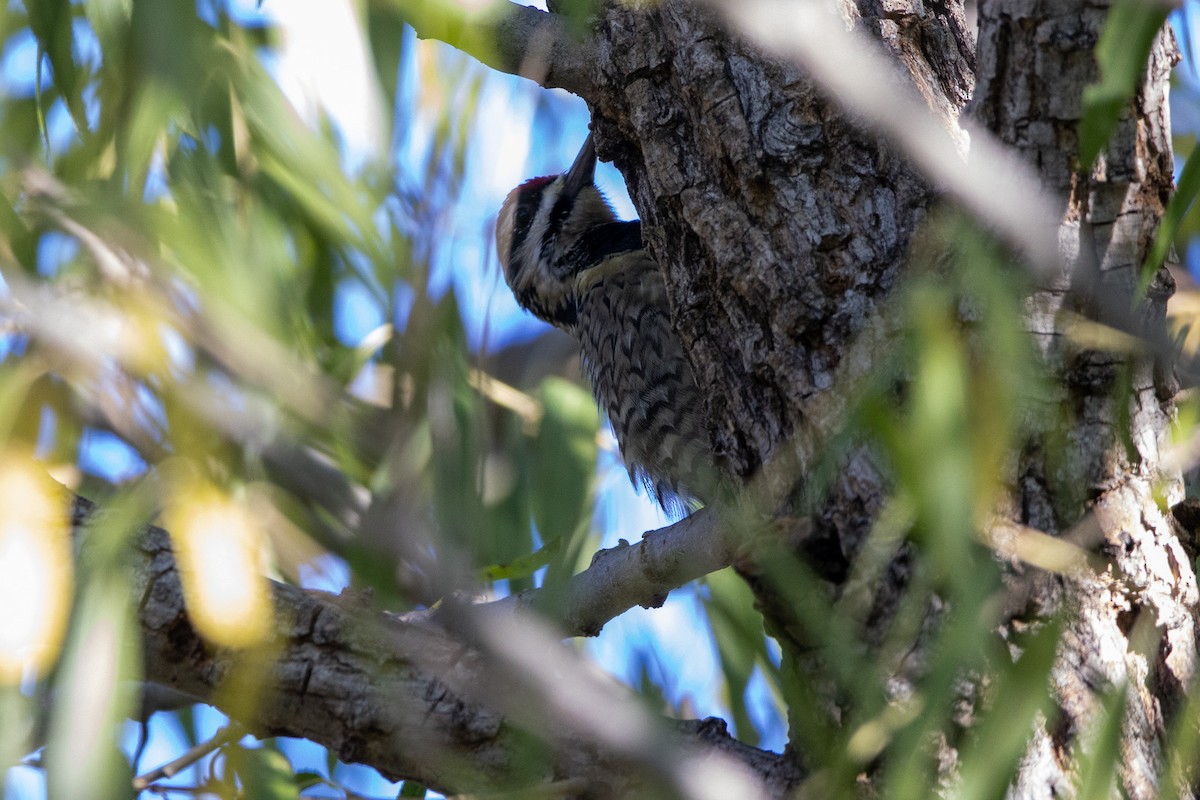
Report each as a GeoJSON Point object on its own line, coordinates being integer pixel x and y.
{"type": "Point", "coordinates": [522, 217]}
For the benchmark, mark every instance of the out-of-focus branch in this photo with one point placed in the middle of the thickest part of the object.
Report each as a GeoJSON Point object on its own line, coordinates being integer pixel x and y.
{"type": "Point", "coordinates": [640, 574]}
{"type": "Point", "coordinates": [91, 336]}
{"type": "Point", "coordinates": [230, 733]}
{"type": "Point", "coordinates": [516, 39]}
{"type": "Point", "coordinates": [408, 698]}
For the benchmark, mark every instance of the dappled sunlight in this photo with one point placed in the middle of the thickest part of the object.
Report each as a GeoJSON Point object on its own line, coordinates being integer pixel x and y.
{"type": "Point", "coordinates": [222, 562]}
{"type": "Point", "coordinates": [35, 569]}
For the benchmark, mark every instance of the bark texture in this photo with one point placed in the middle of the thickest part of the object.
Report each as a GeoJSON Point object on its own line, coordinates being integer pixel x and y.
{"type": "Point", "coordinates": [1034, 61]}
{"type": "Point", "coordinates": [406, 695]}
{"type": "Point", "coordinates": [754, 194]}
{"type": "Point", "coordinates": [781, 229]}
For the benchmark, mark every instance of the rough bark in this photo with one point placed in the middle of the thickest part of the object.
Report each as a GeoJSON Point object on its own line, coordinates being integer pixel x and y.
{"type": "Point", "coordinates": [782, 227]}
{"type": "Point", "coordinates": [1035, 60]}
{"type": "Point", "coordinates": [754, 194]}
{"type": "Point", "coordinates": [410, 698]}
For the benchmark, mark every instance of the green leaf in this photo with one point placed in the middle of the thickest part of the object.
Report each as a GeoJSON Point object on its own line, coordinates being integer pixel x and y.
{"type": "Point", "coordinates": [99, 672]}
{"type": "Point", "coordinates": [1121, 55]}
{"type": "Point", "coordinates": [1098, 767]}
{"type": "Point", "coordinates": [387, 35]}
{"type": "Point", "coordinates": [1019, 695]}
{"type": "Point", "coordinates": [16, 235]}
{"type": "Point", "coordinates": [17, 715]}
{"type": "Point", "coordinates": [563, 461]}
{"type": "Point", "coordinates": [51, 23]}
{"type": "Point", "coordinates": [307, 779]}
{"type": "Point", "coordinates": [524, 566]}
{"type": "Point", "coordinates": [412, 789]}
{"type": "Point", "coordinates": [471, 483]}
{"type": "Point", "coordinates": [110, 23]}
{"type": "Point", "coordinates": [1186, 189]}
{"type": "Point", "coordinates": [738, 633]}
{"type": "Point", "coordinates": [265, 773]}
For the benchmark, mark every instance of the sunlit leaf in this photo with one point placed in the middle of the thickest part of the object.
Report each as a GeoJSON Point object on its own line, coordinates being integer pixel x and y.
{"type": "Point", "coordinates": [264, 772]}
{"type": "Point", "coordinates": [524, 566]}
{"type": "Point", "coordinates": [222, 563]}
{"type": "Point", "coordinates": [96, 687]}
{"type": "Point", "coordinates": [36, 573]}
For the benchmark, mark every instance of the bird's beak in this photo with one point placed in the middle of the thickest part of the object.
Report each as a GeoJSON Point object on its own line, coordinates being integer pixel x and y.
{"type": "Point", "coordinates": [583, 171]}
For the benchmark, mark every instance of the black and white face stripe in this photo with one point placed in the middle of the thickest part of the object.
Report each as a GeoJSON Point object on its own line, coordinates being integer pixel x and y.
{"type": "Point", "coordinates": [544, 236]}
{"type": "Point", "coordinates": [522, 206]}
{"type": "Point", "coordinates": [530, 262]}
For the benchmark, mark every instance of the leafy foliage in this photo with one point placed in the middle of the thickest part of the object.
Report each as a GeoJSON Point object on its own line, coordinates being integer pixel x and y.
{"type": "Point", "coordinates": [177, 243]}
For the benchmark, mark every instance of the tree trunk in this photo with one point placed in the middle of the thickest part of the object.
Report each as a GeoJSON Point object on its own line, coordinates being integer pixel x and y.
{"type": "Point", "coordinates": [1035, 61]}
{"type": "Point", "coordinates": [781, 228]}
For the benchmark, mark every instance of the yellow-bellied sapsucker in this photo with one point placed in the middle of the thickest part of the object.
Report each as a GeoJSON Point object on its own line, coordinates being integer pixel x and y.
{"type": "Point", "coordinates": [571, 262]}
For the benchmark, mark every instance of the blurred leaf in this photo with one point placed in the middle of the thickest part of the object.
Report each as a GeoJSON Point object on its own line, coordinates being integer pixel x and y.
{"type": "Point", "coordinates": [15, 236]}
{"type": "Point", "coordinates": [51, 22]}
{"type": "Point", "coordinates": [17, 715]}
{"type": "Point", "coordinates": [563, 461]}
{"type": "Point", "coordinates": [467, 484]}
{"type": "Point", "coordinates": [387, 36]}
{"type": "Point", "coordinates": [155, 106]}
{"type": "Point", "coordinates": [307, 779]}
{"type": "Point", "coordinates": [412, 789]}
{"type": "Point", "coordinates": [264, 772]}
{"type": "Point", "coordinates": [1098, 767]}
{"type": "Point", "coordinates": [110, 23]}
{"type": "Point", "coordinates": [169, 43]}
{"type": "Point", "coordinates": [1016, 698]}
{"type": "Point", "coordinates": [1121, 55]}
{"type": "Point", "coordinates": [579, 15]}
{"type": "Point", "coordinates": [95, 690]}
{"type": "Point", "coordinates": [465, 28]}
{"type": "Point", "coordinates": [220, 553]}
{"type": "Point", "coordinates": [738, 634]}
{"type": "Point", "coordinates": [1179, 761]}
{"type": "Point", "coordinates": [36, 569]}
{"type": "Point", "coordinates": [524, 566]}
{"type": "Point", "coordinates": [1186, 189]}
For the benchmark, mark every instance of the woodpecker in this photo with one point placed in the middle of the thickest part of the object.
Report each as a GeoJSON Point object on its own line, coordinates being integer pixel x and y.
{"type": "Point", "coordinates": [571, 262]}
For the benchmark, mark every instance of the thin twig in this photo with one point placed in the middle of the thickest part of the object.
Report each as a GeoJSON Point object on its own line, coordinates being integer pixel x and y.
{"type": "Point", "coordinates": [230, 733]}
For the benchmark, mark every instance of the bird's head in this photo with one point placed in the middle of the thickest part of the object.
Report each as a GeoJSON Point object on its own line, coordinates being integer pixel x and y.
{"type": "Point", "coordinates": [539, 232]}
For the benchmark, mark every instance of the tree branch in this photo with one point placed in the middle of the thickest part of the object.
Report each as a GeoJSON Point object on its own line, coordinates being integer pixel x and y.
{"type": "Point", "coordinates": [519, 40]}
{"type": "Point", "coordinates": [410, 699]}
{"type": "Point", "coordinates": [640, 574]}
